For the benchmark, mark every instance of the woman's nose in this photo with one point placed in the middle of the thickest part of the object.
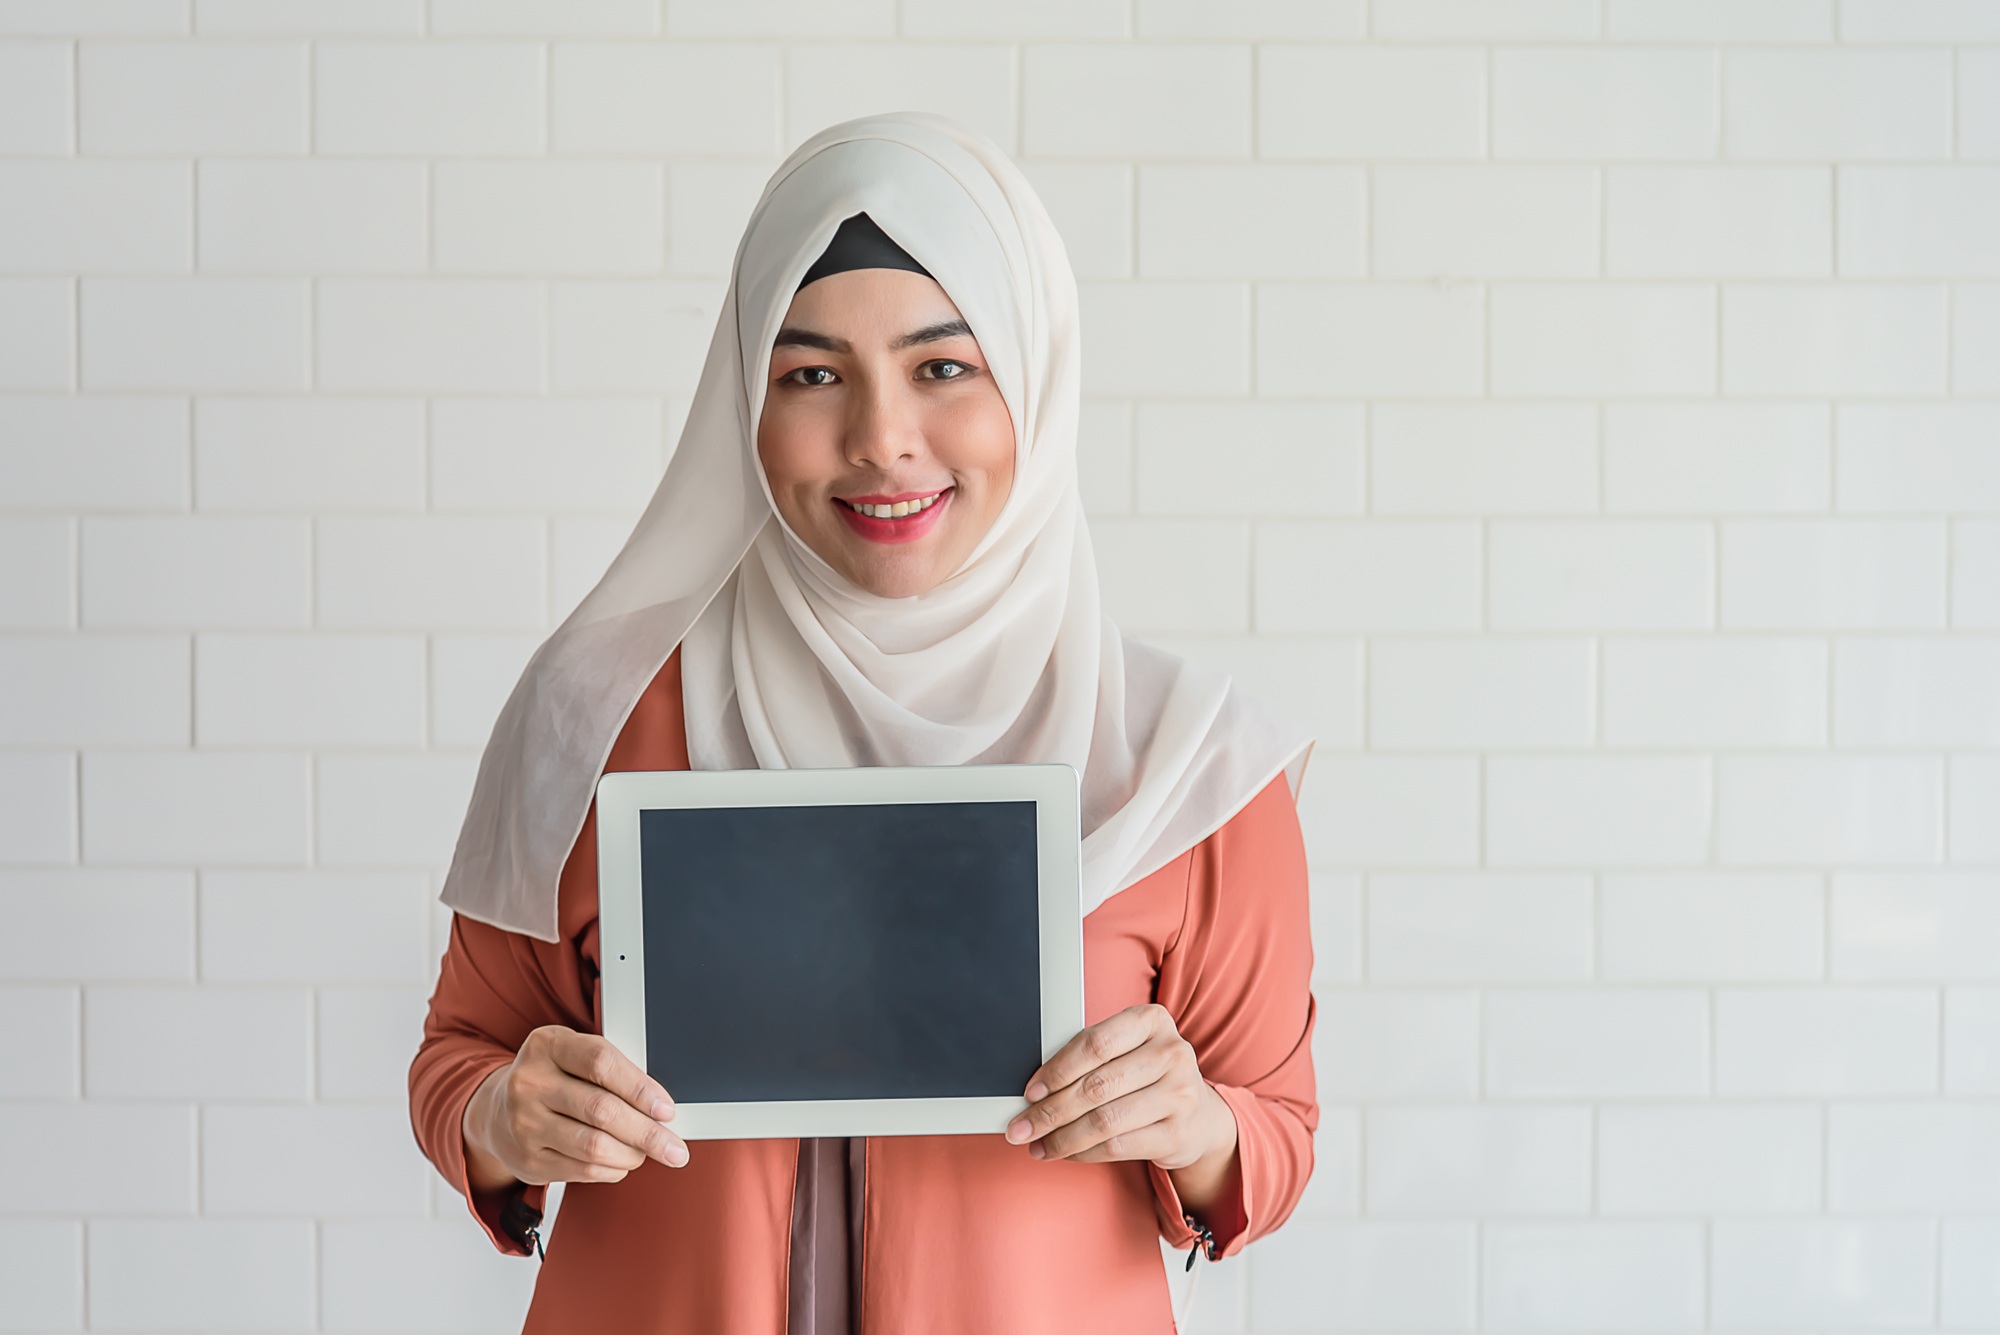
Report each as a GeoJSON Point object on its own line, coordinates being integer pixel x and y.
{"type": "Point", "coordinates": [885, 426]}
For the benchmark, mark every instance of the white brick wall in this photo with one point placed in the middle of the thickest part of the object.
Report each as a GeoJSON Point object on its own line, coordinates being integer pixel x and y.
{"type": "Point", "coordinates": [1583, 414]}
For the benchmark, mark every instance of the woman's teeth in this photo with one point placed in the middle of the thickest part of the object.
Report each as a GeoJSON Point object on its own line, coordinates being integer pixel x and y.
{"type": "Point", "coordinates": [899, 509]}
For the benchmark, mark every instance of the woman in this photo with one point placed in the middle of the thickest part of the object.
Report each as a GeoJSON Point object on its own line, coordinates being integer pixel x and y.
{"type": "Point", "coordinates": [868, 549]}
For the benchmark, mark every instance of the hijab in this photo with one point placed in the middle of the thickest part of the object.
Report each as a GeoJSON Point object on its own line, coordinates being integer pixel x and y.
{"type": "Point", "coordinates": [787, 664]}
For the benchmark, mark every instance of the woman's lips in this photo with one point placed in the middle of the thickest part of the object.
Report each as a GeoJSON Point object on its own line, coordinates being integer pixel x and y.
{"type": "Point", "coordinates": [907, 529]}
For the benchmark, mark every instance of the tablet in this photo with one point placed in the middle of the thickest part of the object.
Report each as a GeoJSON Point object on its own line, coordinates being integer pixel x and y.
{"type": "Point", "coordinates": [841, 952]}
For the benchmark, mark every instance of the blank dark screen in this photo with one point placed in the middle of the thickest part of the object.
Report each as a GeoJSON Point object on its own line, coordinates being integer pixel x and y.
{"type": "Point", "coordinates": [841, 952]}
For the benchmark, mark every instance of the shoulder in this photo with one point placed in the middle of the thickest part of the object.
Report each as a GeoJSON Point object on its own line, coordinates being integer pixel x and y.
{"type": "Point", "coordinates": [654, 735]}
{"type": "Point", "coordinates": [1260, 849]}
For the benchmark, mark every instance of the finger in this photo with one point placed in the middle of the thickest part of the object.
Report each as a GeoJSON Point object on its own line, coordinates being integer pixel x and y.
{"type": "Point", "coordinates": [1155, 1142]}
{"type": "Point", "coordinates": [551, 1166]}
{"type": "Point", "coordinates": [1111, 1124]}
{"type": "Point", "coordinates": [597, 1106]}
{"type": "Point", "coordinates": [588, 1144]}
{"type": "Point", "coordinates": [594, 1058]}
{"type": "Point", "coordinates": [1111, 1037]}
{"type": "Point", "coordinates": [1120, 1076]}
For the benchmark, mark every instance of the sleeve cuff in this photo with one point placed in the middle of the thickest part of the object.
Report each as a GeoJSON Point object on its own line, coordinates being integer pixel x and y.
{"type": "Point", "coordinates": [1228, 1220]}
{"type": "Point", "coordinates": [509, 1217]}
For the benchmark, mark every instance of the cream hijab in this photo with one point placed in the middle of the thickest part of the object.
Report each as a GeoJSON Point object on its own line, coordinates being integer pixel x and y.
{"type": "Point", "coordinates": [786, 664]}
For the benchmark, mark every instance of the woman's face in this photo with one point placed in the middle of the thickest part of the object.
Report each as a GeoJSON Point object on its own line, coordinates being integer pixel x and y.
{"type": "Point", "coordinates": [886, 443]}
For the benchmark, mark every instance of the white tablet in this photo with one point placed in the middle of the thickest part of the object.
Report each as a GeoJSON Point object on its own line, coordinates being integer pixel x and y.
{"type": "Point", "coordinates": [841, 952]}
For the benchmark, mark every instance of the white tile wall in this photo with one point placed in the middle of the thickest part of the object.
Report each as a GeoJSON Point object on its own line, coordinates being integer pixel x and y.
{"type": "Point", "coordinates": [40, 818]}
{"type": "Point", "coordinates": [1497, 222]}
{"type": "Point", "coordinates": [1917, 459]}
{"type": "Point", "coordinates": [192, 98]}
{"type": "Point", "coordinates": [1806, 1042]}
{"type": "Point", "coordinates": [1972, 1040]}
{"type": "Point", "coordinates": [97, 217]}
{"type": "Point", "coordinates": [1766, 691]}
{"type": "Point", "coordinates": [1820, 104]}
{"type": "Point", "coordinates": [827, 82]}
{"type": "Point", "coordinates": [1697, 458]}
{"type": "Point", "coordinates": [1970, 1281]}
{"type": "Point", "coordinates": [95, 453]}
{"type": "Point", "coordinates": [39, 555]}
{"type": "Point", "coordinates": [1591, 1276]}
{"type": "Point", "coordinates": [41, 1264]}
{"type": "Point", "coordinates": [197, 1043]}
{"type": "Point", "coordinates": [1289, 458]}
{"type": "Point", "coordinates": [323, 1159]}
{"type": "Point", "coordinates": [1386, 1044]}
{"type": "Point", "coordinates": [34, 118]}
{"type": "Point", "coordinates": [1833, 340]}
{"type": "Point", "coordinates": [39, 1038]}
{"type": "Point", "coordinates": [142, 1158]}
{"type": "Point", "coordinates": [409, 1275]}
{"type": "Point", "coordinates": [1580, 413]}
{"type": "Point", "coordinates": [37, 334]}
{"type": "Point", "coordinates": [1746, 1158]}
{"type": "Point", "coordinates": [1605, 102]}
{"type": "Point", "coordinates": [166, 334]}
{"type": "Point", "coordinates": [201, 1274]}
{"type": "Point", "coordinates": [1917, 1156]}
{"type": "Point", "coordinates": [94, 690]}
{"type": "Point", "coordinates": [322, 454]}
{"type": "Point", "coordinates": [1975, 786]}
{"type": "Point", "coordinates": [1479, 459]}
{"type": "Point", "coordinates": [1568, 1043]}
{"type": "Point", "coordinates": [1317, 1276]}
{"type": "Point", "coordinates": [1978, 112]}
{"type": "Point", "coordinates": [1478, 1160]}
{"type": "Point", "coordinates": [1736, 926]}
{"type": "Point", "coordinates": [1692, 222]}
{"type": "Point", "coordinates": [571, 217]}
{"type": "Point", "coordinates": [1851, 1274]}
{"type": "Point", "coordinates": [317, 216]}
{"type": "Point", "coordinates": [1384, 340]}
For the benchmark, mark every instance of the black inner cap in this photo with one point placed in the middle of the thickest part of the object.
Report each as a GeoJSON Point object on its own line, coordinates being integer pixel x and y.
{"type": "Point", "coordinates": [860, 244]}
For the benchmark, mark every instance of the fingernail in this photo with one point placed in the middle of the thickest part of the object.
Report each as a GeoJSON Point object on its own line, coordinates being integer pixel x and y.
{"type": "Point", "coordinates": [1037, 1092]}
{"type": "Point", "coordinates": [677, 1156]}
{"type": "Point", "coordinates": [1037, 1151]}
{"type": "Point", "coordinates": [1017, 1130]}
{"type": "Point", "coordinates": [662, 1110]}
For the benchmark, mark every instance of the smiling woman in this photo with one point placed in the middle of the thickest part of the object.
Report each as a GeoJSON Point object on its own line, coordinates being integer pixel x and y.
{"type": "Point", "coordinates": [888, 446]}
{"type": "Point", "coordinates": [869, 549]}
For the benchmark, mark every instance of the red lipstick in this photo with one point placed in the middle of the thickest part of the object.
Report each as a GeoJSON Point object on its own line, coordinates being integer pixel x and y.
{"type": "Point", "coordinates": [907, 529]}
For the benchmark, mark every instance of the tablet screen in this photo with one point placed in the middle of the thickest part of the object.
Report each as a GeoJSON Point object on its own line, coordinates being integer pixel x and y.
{"type": "Point", "coordinates": [841, 952]}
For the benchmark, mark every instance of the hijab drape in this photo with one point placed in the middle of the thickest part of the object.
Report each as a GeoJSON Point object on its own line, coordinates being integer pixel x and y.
{"type": "Point", "coordinates": [785, 663]}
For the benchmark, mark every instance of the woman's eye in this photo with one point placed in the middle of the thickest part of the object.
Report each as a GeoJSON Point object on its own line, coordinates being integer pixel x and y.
{"type": "Point", "coordinates": [811, 375]}
{"type": "Point", "coordinates": [945, 370]}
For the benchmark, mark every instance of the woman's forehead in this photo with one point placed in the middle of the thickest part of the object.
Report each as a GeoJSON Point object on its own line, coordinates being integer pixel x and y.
{"type": "Point", "coordinates": [871, 304]}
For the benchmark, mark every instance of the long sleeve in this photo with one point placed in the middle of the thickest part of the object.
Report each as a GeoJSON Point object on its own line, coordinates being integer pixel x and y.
{"type": "Point", "coordinates": [1237, 979]}
{"type": "Point", "coordinates": [493, 989]}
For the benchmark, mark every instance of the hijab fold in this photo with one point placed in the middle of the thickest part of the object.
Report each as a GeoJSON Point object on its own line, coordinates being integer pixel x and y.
{"type": "Point", "coordinates": [785, 664]}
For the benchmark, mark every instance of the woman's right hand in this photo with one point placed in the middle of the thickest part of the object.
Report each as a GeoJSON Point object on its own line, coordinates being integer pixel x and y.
{"type": "Point", "coordinates": [570, 1107]}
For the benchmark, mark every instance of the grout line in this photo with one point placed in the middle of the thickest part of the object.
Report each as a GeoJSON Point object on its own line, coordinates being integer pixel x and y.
{"type": "Point", "coordinates": [1952, 87]}
{"type": "Point", "coordinates": [200, 1203]}
{"type": "Point", "coordinates": [1256, 101]}
{"type": "Point", "coordinates": [75, 99]}
{"type": "Point", "coordinates": [1487, 69]}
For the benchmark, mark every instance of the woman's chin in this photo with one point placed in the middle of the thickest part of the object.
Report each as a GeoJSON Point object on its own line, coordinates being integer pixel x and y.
{"type": "Point", "coordinates": [902, 572]}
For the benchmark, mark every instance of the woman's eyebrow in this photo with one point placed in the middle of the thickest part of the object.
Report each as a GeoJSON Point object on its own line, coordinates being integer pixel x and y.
{"type": "Point", "coordinates": [932, 333]}
{"type": "Point", "coordinates": [789, 337]}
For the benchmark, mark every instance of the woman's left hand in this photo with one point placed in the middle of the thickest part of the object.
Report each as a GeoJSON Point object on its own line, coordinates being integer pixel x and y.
{"type": "Point", "coordinates": [1128, 1087]}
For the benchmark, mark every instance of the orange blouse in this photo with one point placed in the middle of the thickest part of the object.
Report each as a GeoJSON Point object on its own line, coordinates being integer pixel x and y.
{"type": "Point", "coordinates": [965, 1234]}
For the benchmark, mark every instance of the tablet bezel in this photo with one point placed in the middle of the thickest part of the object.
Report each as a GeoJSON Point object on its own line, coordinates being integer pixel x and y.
{"type": "Point", "coordinates": [622, 796]}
